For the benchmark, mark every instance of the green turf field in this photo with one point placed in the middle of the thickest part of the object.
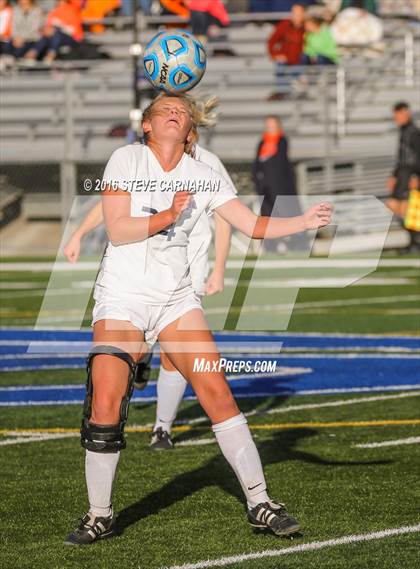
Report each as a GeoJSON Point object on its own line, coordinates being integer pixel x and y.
{"type": "Point", "coordinates": [185, 506]}
{"type": "Point", "coordinates": [370, 306]}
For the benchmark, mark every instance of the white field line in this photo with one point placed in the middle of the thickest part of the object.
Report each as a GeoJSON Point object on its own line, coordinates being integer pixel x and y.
{"type": "Point", "coordinates": [280, 371]}
{"type": "Point", "coordinates": [237, 334]}
{"type": "Point", "coordinates": [248, 395]}
{"type": "Point", "coordinates": [320, 304]}
{"type": "Point", "coordinates": [43, 292]}
{"type": "Point", "coordinates": [34, 438]}
{"type": "Point", "coordinates": [231, 264]}
{"type": "Point", "coordinates": [315, 282]}
{"type": "Point", "coordinates": [288, 408]}
{"type": "Point", "coordinates": [195, 442]}
{"type": "Point", "coordinates": [53, 347]}
{"type": "Point", "coordinates": [41, 367]}
{"type": "Point", "coordinates": [311, 546]}
{"type": "Point", "coordinates": [17, 438]}
{"type": "Point", "coordinates": [395, 442]}
{"type": "Point", "coordinates": [321, 282]}
{"type": "Point", "coordinates": [25, 285]}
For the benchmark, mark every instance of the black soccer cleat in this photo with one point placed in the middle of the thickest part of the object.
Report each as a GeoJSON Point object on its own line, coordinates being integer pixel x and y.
{"type": "Point", "coordinates": [273, 516]}
{"type": "Point", "coordinates": [161, 440]}
{"type": "Point", "coordinates": [143, 371]}
{"type": "Point", "coordinates": [90, 529]}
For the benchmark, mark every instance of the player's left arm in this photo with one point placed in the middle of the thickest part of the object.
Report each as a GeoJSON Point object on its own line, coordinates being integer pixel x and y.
{"type": "Point", "coordinates": [92, 219]}
{"type": "Point", "coordinates": [215, 282]}
{"type": "Point", "coordinates": [262, 227]}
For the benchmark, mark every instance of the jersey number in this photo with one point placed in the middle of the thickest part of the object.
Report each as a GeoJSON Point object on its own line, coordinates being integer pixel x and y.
{"type": "Point", "coordinates": [170, 232]}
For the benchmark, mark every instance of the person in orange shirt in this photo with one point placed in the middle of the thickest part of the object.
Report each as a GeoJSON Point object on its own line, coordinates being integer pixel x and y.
{"type": "Point", "coordinates": [63, 28]}
{"type": "Point", "coordinates": [6, 15]}
{"type": "Point", "coordinates": [97, 10]}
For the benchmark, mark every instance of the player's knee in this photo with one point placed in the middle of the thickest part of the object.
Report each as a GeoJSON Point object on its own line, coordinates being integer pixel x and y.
{"type": "Point", "coordinates": [105, 411]}
{"type": "Point", "coordinates": [105, 408]}
{"type": "Point", "coordinates": [218, 394]}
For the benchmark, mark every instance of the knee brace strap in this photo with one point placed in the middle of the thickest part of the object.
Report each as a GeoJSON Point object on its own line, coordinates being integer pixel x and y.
{"type": "Point", "coordinates": [106, 438]}
{"type": "Point", "coordinates": [102, 438]}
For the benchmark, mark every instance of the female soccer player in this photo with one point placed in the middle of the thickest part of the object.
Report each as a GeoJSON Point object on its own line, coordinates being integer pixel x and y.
{"type": "Point", "coordinates": [155, 195]}
{"type": "Point", "coordinates": [171, 385]}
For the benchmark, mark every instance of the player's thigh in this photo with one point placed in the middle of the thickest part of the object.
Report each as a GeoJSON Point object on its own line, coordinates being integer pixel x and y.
{"type": "Point", "coordinates": [109, 373]}
{"type": "Point", "coordinates": [166, 362]}
{"type": "Point", "coordinates": [190, 346]}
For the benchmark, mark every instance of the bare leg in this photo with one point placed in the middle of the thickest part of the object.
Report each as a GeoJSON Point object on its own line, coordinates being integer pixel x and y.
{"type": "Point", "coordinates": [186, 340]}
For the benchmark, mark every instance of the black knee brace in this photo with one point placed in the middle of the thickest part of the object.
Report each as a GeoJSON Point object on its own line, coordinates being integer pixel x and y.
{"type": "Point", "coordinates": [143, 371]}
{"type": "Point", "coordinates": [106, 438]}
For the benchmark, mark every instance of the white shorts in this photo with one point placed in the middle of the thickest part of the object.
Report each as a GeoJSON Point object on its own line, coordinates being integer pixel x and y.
{"type": "Point", "coordinates": [147, 318]}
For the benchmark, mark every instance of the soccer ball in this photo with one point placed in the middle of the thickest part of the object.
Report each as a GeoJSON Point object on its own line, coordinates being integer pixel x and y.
{"type": "Point", "coordinates": [174, 61]}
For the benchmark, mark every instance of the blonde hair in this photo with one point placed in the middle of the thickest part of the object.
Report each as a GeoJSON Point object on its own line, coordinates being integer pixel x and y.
{"type": "Point", "coordinates": [202, 113]}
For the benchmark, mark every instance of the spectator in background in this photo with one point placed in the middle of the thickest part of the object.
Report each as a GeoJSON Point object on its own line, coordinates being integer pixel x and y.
{"type": "Point", "coordinates": [274, 178]}
{"type": "Point", "coordinates": [285, 45]}
{"type": "Point", "coordinates": [320, 47]}
{"type": "Point", "coordinates": [97, 10]}
{"type": "Point", "coordinates": [6, 15]}
{"type": "Point", "coordinates": [63, 28]}
{"type": "Point", "coordinates": [26, 28]}
{"type": "Point", "coordinates": [276, 5]}
{"type": "Point", "coordinates": [406, 173]}
{"type": "Point", "coordinates": [127, 6]}
{"type": "Point", "coordinates": [177, 7]}
{"type": "Point", "coordinates": [205, 13]}
{"type": "Point", "coordinates": [368, 5]}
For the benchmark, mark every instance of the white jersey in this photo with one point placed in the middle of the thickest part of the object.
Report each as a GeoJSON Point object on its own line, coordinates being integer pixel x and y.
{"type": "Point", "coordinates": [200, 237]}
{"type": "Point", "coordinates": [156, 270]}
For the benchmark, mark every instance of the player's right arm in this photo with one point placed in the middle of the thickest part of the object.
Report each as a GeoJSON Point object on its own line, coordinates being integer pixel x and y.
{"type": "Point", "coordinates": [123, 229]}
{"type": "Point", "coordinates": [93, 218]}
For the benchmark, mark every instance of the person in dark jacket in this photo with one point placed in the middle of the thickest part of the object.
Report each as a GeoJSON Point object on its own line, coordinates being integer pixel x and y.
{"type": "Point", "coordinates": [275, 182]}
{"type": "Point", "coordinates": [407, 167]}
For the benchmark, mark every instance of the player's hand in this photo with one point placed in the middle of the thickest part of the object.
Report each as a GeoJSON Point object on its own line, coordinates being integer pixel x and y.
{"type": "Point", "coordinates": [318, 215]}
{"type": "Point", "coordinates": [215, 283]}
{"type": "Point", "coordinates": [180, 203]}
{"type": "Point", "coordinates": [72, 249]}
{"type": "Point", "coordinates": [391, 182]}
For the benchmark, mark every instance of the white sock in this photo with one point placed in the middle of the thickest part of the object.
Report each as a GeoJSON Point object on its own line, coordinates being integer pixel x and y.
{"type": "Point", "coordinates": [100, 471]}
{"type": "Point", "coordinates": [170, 391]}
{"type": "Point", "coordinates": [238, 447]}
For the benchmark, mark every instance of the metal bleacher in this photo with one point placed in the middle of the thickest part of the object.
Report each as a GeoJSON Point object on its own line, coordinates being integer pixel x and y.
{"type": "Point", "coordinates": [38, 106]}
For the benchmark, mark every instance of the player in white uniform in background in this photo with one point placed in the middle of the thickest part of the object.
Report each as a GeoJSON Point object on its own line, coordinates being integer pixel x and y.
{"type": "Point", "coordinates": [171, 385]}
{"type": "Point", "coordinates": [144, 291]}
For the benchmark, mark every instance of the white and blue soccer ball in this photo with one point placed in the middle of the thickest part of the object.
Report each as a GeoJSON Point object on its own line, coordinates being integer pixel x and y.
{"type": "Point", "coordinates": [174, 61]}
